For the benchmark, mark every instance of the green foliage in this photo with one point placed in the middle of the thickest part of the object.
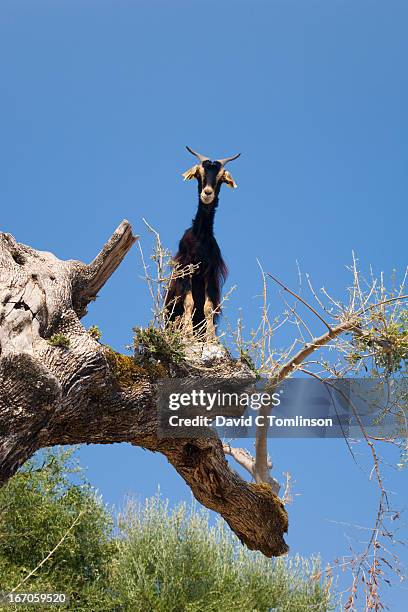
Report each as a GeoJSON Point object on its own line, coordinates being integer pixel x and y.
{"type": "Point", "coordinates": [164, 345]}
{"type": "Point", "coordinates": [174, 561]}
{"type": "Point", "coordinates": [95, 332]}
{"type": "Point", "coordinates": [386, 339]}
{"type": "Point", "coordinates": [37, 508]}
{"type": "Point", "coordinates": [158, 561]}
{"type": "Point", "coordinates": [59, 340]}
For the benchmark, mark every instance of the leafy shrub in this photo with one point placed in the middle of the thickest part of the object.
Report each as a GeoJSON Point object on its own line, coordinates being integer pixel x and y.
{"type": "Point", "coordinates": [175, 561]}
{"type": "Point", "coordinates": [156, 560]}
{"type": "Point", "coordinates": [37, 508]}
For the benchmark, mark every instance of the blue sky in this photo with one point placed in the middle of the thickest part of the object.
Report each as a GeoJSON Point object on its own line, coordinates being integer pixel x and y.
{"type": "Point", "coordinates": [98, 100]}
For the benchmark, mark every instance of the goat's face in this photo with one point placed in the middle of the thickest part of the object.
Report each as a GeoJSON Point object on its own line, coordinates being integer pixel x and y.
{"type": "Point", "coordinates": [210, 176]}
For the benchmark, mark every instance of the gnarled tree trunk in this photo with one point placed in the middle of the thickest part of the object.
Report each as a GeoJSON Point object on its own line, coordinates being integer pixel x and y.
{"type": "Point", "coordinates": [59, 385]}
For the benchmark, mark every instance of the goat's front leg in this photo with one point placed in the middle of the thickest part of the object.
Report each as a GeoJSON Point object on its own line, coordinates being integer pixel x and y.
{"type": "Point", "coordinates": [188, 306]}
{"type": "Point", "coordinates": [209, 317]}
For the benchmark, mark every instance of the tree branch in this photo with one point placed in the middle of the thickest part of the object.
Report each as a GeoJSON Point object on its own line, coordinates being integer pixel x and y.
{"type": "Point", "coordinates": [261, 470]}
{"type": "Point", "coordinates": [94, 276]}
{"type": "Point", "coordinates": [350, 324]}
{"type": "Point", "coordinates": [247, 461]}
{"type": "Point", "coordinates": [300, 299]}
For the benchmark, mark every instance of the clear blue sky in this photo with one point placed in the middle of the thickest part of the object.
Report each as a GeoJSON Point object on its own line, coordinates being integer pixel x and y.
{"type": "Point", "coordinates": [98, 100]}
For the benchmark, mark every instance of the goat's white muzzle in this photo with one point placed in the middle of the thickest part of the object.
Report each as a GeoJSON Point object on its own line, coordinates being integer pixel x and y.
{"type": "Point", "coordinates": [207, 196]}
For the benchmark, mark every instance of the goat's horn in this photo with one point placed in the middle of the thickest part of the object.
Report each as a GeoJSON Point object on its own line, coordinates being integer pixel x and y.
{"type": "Point", "coordinates": [202, 158]}
{"type": "Point", "coordinates": [228, 159]}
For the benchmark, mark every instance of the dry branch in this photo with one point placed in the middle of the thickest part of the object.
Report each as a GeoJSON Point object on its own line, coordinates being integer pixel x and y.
{"type": "Point", "coordinates": [247, 461]}
{"type": "Point", "coordinates": [261, 470]}
{"type": "Point", "coordinates": [350, 324]}
{"type": "Point", "coordinates": [105, 263]}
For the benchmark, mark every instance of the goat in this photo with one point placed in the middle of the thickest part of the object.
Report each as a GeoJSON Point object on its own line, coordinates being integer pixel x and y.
{"type": "Point", "coordinates": [196, 298]}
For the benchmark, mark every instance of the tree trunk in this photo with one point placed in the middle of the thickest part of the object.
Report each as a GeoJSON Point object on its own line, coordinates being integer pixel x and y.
{"type": "Point", "coordinates": [59, 385]}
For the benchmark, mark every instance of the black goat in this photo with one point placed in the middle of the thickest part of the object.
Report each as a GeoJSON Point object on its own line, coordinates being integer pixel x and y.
{"type": "Point", "coordinates": [196, 298]}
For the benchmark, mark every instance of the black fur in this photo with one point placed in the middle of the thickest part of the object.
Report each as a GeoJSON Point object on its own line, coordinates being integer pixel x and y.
{"type": "Point", "coordinates": [199, 246]}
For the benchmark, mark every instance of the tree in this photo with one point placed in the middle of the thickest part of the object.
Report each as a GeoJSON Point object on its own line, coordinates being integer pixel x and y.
{"type": "Point", "coordinates": [366, 335]}
{"type": "Point", "coordinates": [173, 560]}
{"type": "Point", "coordinates": [57, 536]}
{"type": "Point", "coordinates": [59, 385]}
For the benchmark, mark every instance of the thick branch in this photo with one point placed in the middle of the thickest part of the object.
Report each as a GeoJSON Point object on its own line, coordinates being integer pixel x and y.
{"type": "Point", "coordinates": [253, 511]}
{"type": "Point", "coordinates": [116, 414]}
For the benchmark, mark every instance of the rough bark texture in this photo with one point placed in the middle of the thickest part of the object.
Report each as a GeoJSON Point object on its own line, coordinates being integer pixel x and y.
{"type": "Point", "coordinates": [74, 390]}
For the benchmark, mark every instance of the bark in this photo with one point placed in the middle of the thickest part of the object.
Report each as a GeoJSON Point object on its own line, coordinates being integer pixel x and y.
{"type": "Point", "coordinates": [59, 385]}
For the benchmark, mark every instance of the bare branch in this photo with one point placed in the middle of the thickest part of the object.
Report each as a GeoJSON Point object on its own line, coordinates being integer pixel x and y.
{"type": "Point", "coordinates": [247, 461]}
{"type": "Point", "coordinates": [309, 348]}
{"type": "Point", "coordinates": [300, 300]}
{"type": "Point", "coordinates": [242, 457]}
{"type": "Point", "coordinates": [95, 275]}
{"type": "Point", "coordinates": [383, 303]}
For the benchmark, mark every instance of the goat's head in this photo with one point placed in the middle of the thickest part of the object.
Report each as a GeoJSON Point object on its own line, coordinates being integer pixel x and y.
{"type": "Point", "coordinates": [210, 176]}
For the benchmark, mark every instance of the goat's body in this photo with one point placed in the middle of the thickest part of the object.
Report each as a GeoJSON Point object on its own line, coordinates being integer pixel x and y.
{"type": "Point", "coordinates": [195, 300]}
{"type": "Point", "coordinates": [198, 246]}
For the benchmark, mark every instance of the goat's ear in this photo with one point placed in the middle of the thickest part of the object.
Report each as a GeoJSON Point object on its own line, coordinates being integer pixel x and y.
{"type": "Point", "coordinates": [227, 178]}
{"type": "Point", "coordinates": [190, 174]}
